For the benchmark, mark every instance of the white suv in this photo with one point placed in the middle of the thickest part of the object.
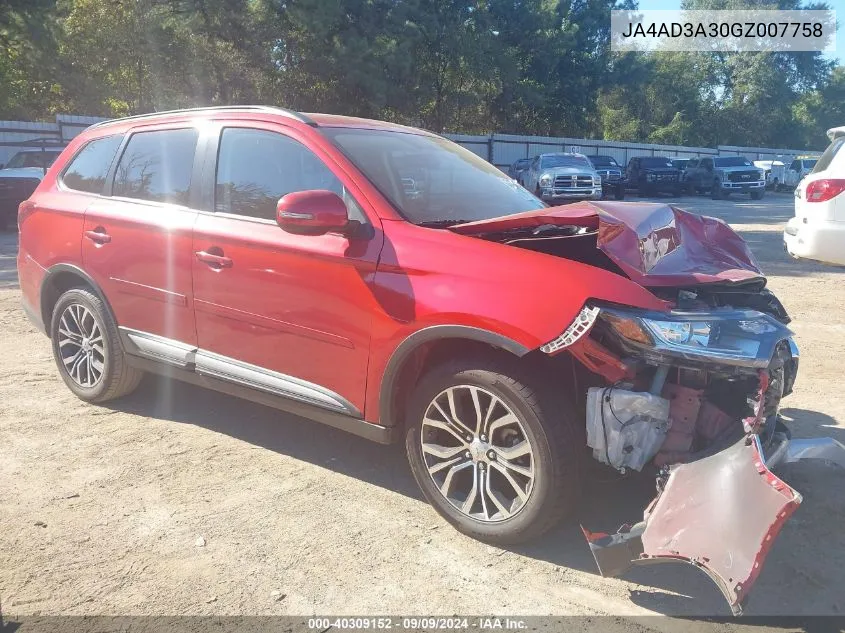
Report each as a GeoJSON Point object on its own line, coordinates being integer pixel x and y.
{"type": "Point", "coordinates": [818, 229]}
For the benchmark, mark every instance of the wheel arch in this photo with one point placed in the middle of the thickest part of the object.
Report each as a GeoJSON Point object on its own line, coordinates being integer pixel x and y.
{"type": "Point", "coordinates": [432, 343]}
{"type": "Point", "coordinates": [58, 280]}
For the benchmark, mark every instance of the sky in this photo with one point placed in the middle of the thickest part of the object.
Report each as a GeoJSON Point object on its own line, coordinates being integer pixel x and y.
{"type": "Point", "coordinates": [839, 55]}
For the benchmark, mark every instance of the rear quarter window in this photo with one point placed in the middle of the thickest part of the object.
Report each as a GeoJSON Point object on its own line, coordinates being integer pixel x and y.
{"type": "Point", "coordinates": [829, 154]}
{"type": "Point", "coordinates": [88, 170]}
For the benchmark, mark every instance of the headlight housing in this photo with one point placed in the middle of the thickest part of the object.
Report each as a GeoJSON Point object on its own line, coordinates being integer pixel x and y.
{"type": "Point", "coordinates": [733, 337]}
{"type": "Point", "coordinates": [596, 180]}
{"type": "Point", "coordinates": [545, 180]}
{"type": "Point", "coordinates": [650, 177]}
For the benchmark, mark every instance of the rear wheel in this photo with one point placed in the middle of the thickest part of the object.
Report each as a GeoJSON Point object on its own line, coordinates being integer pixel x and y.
{"type": "Point", "coordinates": [87, 348]}
{"type": "Point", "coordinates": [495, 456]}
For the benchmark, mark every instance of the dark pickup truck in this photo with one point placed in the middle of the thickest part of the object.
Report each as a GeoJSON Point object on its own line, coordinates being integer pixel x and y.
{"type": "Point", "coordinates": [612, 176]}
{"type": "Point", "coordinates": [19, 178]}
{"type": "Point", "coordinates": [651, 175]}
{"type": "Point", "coordinates": [724, 175]}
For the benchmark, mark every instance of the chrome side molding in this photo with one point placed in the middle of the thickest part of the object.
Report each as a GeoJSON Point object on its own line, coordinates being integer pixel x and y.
{"type": "Point", "coordinates": [203, 362]}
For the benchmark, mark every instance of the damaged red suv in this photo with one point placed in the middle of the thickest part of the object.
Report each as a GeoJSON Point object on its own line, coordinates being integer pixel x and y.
{"type": "Point", "coordinates": [385, 281]}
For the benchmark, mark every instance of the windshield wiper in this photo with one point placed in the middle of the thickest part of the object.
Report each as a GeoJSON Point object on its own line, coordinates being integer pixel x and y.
{"type": "Point", "coordinates": [442, 224]}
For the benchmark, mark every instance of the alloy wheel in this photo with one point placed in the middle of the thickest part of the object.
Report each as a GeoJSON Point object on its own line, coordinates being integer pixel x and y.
{"type": "Point", "coordinates": [477, 453]}
{"type": "Point", "coordinates": [81, 346]}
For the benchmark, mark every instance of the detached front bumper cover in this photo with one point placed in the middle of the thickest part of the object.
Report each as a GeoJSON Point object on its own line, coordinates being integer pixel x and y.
{"type": "Point", "coordinates": [720, 513]}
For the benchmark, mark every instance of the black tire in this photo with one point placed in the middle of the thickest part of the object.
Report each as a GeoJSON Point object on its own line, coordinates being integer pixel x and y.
{"type": "Point", "coordinates": [619, 194]}
{"type": "Point", "coordinates": [756, 195]}
{"type": "Point", "coordinates": [117, 377]}
{"type": "Point", "coordinates": [550, 427]}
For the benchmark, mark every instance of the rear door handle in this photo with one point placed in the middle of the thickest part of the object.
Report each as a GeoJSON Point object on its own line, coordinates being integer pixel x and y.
{"type": "Point", "coordinates": [212, 259]}
{"type": "Point", "coordinates": [98, 236]}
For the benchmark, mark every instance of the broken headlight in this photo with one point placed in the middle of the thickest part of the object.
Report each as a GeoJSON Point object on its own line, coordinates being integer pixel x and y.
{"type": "Point", "coordinates": [732, 337]}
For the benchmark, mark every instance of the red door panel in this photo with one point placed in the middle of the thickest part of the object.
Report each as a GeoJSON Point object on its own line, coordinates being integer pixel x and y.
{"type": "Point", "coordinates": [140, 254]}
{"type": "Point", "coordinates": [293, 304]}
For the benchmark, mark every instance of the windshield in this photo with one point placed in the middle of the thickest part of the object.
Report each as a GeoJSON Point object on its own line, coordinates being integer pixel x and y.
{"type": "Point", "coordinates": [809, 164]}
{"type": "Point", "coordinates": [732, 161]}
{"type": "Point", "coordinates": [431, 179]}
{"type": "Point", "coordinates": [655, 161]}
{"type": "Point", "coordinates": [563, 160]}
{"type": "Point", "coordinates": [32, 159]}
{"type": "Point", "coordinates": [603, 161]}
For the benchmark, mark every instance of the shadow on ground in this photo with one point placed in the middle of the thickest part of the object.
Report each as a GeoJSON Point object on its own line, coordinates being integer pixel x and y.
{"type": "Point", "coordinates": [609, 501]}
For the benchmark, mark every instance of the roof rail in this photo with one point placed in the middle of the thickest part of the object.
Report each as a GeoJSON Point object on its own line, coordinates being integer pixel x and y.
{"type": "Point", "coordinates": [249, 108]}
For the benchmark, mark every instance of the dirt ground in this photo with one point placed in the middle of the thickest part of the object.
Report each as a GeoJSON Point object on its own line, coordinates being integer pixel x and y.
{"type": "Point", "coordinates": [178, 500]}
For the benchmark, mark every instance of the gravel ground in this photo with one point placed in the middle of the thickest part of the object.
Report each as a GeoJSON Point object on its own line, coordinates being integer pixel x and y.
{"type": "Point", "coordinates": [178, 500]}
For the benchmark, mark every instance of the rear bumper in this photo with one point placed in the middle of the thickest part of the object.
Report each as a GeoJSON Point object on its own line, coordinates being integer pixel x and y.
{"type": "Point", "coordinates": [34, 316]}
{"type": "Point", "coordinates": [822, 241]}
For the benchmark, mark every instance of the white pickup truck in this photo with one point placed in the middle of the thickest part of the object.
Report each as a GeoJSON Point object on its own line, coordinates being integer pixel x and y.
{"type": "Point", "coordinates": [798, 168]}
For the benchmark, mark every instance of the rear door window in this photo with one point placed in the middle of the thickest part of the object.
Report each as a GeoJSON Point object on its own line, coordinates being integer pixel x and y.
{"type": "Point", "coordinates": [157, 166]}
{"type": "Point", "coordinates": [89, 168]}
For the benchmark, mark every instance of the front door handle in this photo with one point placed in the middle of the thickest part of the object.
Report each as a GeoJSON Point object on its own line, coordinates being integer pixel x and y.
{"type": "Point", "coordinates": [212, 259]}
{"type": "Point", "coordinates": [98, 236]}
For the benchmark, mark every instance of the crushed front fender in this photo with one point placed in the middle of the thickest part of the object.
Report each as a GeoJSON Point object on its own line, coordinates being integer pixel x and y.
{"type": "Point", "coordinates": [720, 513]}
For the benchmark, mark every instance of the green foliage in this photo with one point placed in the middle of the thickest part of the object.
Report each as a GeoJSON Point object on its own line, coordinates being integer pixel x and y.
{"type": "Point", "coordinates": [521, 66]}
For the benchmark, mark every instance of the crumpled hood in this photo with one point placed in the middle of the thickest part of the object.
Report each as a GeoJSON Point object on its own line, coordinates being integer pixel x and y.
{"type": "Point", "coordinates": [654, 244]}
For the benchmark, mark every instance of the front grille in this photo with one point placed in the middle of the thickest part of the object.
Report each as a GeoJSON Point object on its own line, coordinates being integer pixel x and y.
{"type": "Point", "coordinates": [569, 182]}
{"type": "Point", "coordinates": [743, 176]}
{"type": "Point", "coordinates": [667, 177]}
{"type": "Point", "coordinates": [610, 176]}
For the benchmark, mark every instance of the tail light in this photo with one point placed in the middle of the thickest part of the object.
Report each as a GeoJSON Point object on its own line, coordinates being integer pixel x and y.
{"type": "Point", "coordinates": [825, 189]}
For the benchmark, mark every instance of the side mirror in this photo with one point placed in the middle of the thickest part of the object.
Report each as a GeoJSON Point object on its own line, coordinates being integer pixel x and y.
{"type": "Point", "coordinates": [314, 212]}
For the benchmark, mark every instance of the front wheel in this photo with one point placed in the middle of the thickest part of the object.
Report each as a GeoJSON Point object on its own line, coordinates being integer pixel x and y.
{"type": "Point", "coordinates": [756, 195]}
{"type": "Point", "coordinates": [619, 194]}
{"type": "Point", "coordinates": [496, 455]}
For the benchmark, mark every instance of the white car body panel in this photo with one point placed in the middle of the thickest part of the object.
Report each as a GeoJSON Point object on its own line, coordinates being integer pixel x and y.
{"type": "Point", "coordinates": [817, 232]}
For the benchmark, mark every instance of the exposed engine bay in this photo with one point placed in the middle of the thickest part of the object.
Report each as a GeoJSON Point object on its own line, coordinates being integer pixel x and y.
{"type": "Point", "coordinates": [670, 390]}
{"type": "Point", "coordinates": [690, 394]}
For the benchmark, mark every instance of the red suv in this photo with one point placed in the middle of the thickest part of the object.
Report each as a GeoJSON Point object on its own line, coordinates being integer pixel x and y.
{"type": "Point", "coordinates": [385, 281]}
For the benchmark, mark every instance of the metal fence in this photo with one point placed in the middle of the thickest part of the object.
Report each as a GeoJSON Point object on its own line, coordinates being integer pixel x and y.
{"type": "Point", "coordinates": [18, 135]}
{"type": "Point", "coordinates": [500, 149]}
{"type": "Point", "coordinates": [504, 149]}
